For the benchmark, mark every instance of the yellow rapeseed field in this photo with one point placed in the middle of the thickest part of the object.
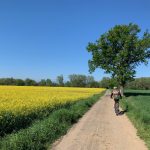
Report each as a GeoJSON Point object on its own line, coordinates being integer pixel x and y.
{"type": "Point", "coordinates": [23, 99]}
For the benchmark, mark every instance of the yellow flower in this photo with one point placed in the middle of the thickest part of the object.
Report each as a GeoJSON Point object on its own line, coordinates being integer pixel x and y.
{"type": "Point", "coordinates": [24, 100]}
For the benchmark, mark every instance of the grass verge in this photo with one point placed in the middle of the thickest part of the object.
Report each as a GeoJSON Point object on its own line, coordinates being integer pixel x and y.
{"type": "Point", "coordinates": [12, 123]}
{"type": "Point", "coordinates": [138, 103]}
{"type": "Point", "coordinates": [44, 132]}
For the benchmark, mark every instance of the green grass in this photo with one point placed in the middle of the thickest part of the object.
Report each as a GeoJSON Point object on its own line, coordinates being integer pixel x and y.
{"type": "Point", "coordinates": [12, 123]}
{"type": "Point", "coordinates": [41, 134]}
{"type": "Point", "coordinates": [138, 103]}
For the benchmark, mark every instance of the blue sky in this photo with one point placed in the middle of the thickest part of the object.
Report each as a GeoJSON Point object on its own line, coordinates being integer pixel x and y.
{"type": "Point", "coordinates": [46, 38]}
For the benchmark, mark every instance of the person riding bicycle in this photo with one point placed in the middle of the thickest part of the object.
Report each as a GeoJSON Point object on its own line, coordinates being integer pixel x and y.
{"type": "Point", "coordinates": [116, 95]}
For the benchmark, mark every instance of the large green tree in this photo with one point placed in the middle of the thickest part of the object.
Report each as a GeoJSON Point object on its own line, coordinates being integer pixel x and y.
{"type": "Point", "coordinates": [119, 51]}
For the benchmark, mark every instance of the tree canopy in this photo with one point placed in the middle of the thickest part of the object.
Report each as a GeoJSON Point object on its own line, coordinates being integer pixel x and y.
{"type": "Point", "coordinates": [60, 80]}
{"type": "Point", "coordinates": [77, 80]}
{"type": "Point", "coordinates": [119, 51]}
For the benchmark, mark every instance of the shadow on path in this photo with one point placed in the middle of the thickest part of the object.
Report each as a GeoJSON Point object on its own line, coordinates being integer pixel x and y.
{"type": "Point", "coordinates": [127, 94]}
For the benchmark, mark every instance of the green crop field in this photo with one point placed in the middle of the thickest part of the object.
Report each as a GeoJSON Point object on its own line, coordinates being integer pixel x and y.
{"type": "Point", "coordinates": [138, 103]}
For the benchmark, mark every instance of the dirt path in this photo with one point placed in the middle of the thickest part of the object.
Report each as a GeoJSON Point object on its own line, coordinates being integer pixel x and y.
{"type": "Point", "coordinates": [101, 129]}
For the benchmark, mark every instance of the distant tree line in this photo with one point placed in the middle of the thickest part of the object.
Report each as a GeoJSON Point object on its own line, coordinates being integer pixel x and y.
{"type": "Point", "coordinates": [136, 84]}
{"type": "Point", "coordinates": [139, 83]}
{"type": "Point", "coordinates": [78, 80]}
{"type": "Point", "coordinates": [75, 80]}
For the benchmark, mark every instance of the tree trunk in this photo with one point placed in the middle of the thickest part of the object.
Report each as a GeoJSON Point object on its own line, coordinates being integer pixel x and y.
{"type": "Point", "coordinates": [122, 90]}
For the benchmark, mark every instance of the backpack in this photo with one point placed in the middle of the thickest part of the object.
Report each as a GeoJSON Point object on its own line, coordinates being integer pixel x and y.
{"type": "Point", "coordinates": [116, 95]}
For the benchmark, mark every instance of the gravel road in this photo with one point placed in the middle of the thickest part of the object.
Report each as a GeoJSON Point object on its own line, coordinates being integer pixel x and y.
{"type": "Point", "coordinates": [101, 129]}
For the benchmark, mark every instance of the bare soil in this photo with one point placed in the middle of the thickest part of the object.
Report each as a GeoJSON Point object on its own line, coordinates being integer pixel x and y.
{"type": "Point", "coordinates": [101, 129]}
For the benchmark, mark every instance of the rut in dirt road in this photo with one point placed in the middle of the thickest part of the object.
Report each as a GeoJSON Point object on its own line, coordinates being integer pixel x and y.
{"type": "Point", "coordinates": [101, 129]}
